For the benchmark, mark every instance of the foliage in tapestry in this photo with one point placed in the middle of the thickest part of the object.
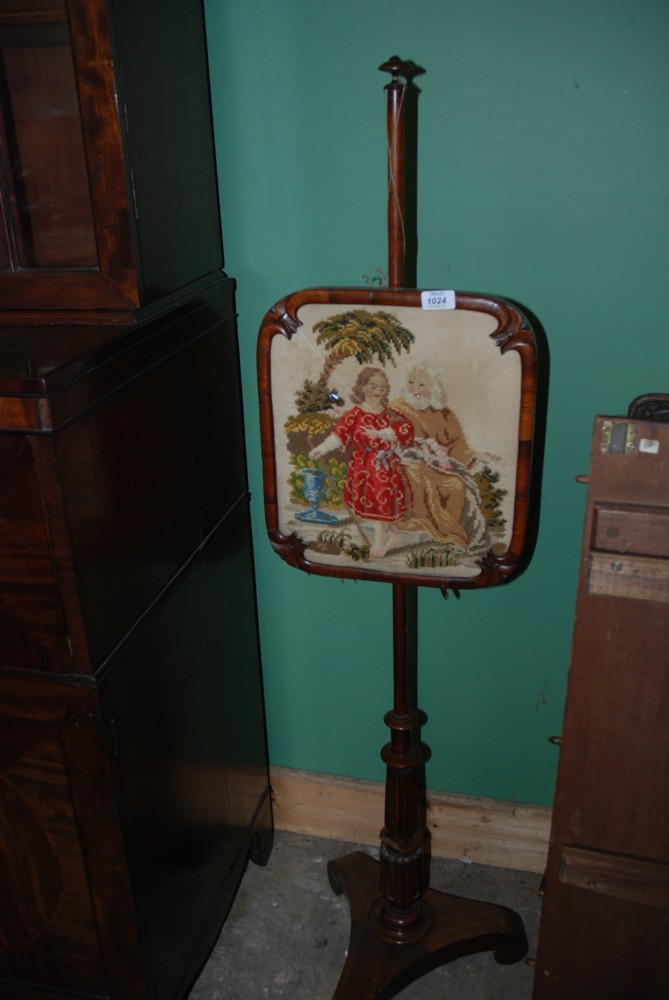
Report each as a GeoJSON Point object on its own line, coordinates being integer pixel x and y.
{"type": "Point", "coordinates": [336, 477]}
{"type": "Point", "coordinates": [361, 335]}
{"type": "Point", "coordinates": [491, 498]}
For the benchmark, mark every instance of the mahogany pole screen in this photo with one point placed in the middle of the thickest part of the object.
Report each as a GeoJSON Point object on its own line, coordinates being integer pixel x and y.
{"type": "Point", "coordinates": [397, 431]}
{"type": "Point", "coordinates": [397, 434]}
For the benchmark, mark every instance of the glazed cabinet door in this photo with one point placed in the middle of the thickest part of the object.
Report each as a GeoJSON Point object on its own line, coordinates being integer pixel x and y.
{"type": "Point", "coordinates": [103, 205]}
{"type": "Point", "coordinates": [65, 238]}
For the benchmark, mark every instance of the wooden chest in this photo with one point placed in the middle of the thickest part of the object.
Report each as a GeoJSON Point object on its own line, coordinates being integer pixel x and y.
{"type": "Point", "coordinates": [605, 924]}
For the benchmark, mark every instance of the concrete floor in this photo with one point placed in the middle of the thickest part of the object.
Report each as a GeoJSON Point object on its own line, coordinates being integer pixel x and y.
{"type": "Point", "coordinates": [287, 933]}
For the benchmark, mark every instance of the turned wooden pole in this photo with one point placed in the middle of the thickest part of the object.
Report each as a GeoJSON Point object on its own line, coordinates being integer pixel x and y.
{"type": "Point", "coordinates": [395, 91]}
{"type": "Point", "coordinates": [402, 929]}
{"type": "Point", "coordinates": [401, 916]}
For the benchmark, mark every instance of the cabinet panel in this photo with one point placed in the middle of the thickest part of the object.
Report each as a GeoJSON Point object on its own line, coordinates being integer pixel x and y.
{"type": "Point", "coordinates": [174, 174]}
{"type": "Point", "coordinates": [92, 163]}
{"type": "Point", "coordinates": [49, 930]}
{"type": "Point", "coordinates": [184, 698]}
{"type": "Point", "coordinates": [215, 408]}
{"type": "Point", "coordinates": [49, 217]}
{"type": "Point", "coordinates": [33, 633]}
{"type": "Point", "coordinates": [604, 931]}
{"type": "Point", "coordinates": [149, 469]}
{"type": "Point", "coordinates": [232, 609]}
{"type": "Point", "coordinates": [127, 473]}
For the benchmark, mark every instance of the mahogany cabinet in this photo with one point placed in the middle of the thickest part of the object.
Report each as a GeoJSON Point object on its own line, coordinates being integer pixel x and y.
{"type": "Point", "coordinates": [604, 932]}
{"type": "Point", "coordinates": [133, 763]}
{"type": "Point", "coordinates": [133, 768]}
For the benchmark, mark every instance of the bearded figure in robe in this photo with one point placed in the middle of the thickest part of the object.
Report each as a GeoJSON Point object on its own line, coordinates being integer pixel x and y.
{"type": "Point", "coordinates": [440, 465]}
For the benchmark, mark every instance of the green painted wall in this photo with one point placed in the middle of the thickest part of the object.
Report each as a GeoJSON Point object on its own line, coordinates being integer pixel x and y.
{"type": "Point", "coordinates": [542, 177]}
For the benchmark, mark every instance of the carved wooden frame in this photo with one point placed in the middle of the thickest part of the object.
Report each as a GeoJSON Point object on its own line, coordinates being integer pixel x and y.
{"type": "Point", "coordinates": [279, 376]}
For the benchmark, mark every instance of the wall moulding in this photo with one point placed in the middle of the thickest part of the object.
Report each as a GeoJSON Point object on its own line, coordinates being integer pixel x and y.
{"type": "Point", "coordinates": [487, 831]}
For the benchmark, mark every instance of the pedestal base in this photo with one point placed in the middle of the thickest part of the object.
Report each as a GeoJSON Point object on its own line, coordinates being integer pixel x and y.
{"type": "Point", "coordinates": [376, 970]}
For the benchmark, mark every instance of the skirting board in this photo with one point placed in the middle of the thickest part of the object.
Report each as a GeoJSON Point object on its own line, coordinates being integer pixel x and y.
{"type": "Point", "coordinates": [505, 834]}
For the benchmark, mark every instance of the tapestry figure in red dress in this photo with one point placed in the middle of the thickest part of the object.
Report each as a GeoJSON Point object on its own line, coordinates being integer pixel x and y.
{"type": "Point", "coordinates": [377, 487]}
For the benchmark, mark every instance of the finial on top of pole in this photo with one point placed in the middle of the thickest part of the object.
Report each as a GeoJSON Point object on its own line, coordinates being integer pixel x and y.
{"type": "Point", "coordinates": [399, 67]}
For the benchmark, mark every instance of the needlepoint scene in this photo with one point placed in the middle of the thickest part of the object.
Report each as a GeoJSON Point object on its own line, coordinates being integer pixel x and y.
{"type": "Point", "coordinates": [396, 436]}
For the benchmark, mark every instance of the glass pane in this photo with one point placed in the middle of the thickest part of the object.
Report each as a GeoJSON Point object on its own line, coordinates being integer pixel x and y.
{"type": "Point", "coordinates": [47, 218]}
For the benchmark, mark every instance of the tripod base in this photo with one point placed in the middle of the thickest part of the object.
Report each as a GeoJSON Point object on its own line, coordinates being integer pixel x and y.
{"type": "Point", "coordinates": [378, 970]}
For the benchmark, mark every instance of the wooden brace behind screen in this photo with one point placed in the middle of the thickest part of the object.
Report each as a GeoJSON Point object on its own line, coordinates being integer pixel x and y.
{"type": "Point", "coordinates": [397, 431]}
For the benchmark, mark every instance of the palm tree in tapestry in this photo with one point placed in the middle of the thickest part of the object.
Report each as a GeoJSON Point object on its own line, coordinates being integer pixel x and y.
{"type": "Point", "coordinates": [362, 335]}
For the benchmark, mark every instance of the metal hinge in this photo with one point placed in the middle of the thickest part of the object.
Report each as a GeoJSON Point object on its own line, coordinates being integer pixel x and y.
{"type": "Point", "coordinates": [618, 437]}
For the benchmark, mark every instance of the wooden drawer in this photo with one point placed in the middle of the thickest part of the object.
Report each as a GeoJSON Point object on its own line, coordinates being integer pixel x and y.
{"type": "Point", "coordinates": [633, 528]}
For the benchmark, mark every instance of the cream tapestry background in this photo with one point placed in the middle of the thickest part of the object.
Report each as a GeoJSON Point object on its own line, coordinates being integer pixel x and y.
{"type": "Point", "coordinates": [414, 470]}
